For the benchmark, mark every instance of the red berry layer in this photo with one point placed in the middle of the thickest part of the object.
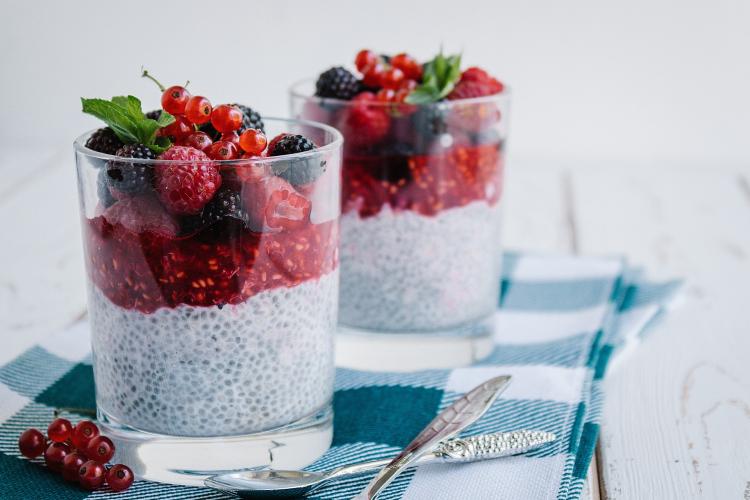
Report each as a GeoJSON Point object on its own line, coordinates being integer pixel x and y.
{"type": "Point", "coordinates": [426, 184]}
{"type": "Point", "coordinates": [223, 264]}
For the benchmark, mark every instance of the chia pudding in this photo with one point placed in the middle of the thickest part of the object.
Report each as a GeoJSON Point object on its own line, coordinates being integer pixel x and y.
{"type": "Point", "coordinates": [421, 191]}
{"type": "Point", "coordinates": [213, 282]}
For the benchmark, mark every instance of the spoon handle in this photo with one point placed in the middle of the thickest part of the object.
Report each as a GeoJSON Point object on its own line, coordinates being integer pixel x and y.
{"type": "Point", "coordinates": [468, 449]}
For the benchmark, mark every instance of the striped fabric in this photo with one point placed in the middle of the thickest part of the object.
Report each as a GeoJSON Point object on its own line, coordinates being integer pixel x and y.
{"type": "Point", "coordinates": [561, 321]}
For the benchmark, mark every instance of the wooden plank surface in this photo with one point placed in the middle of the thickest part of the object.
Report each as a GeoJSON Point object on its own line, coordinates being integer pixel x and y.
{"type": "Point", "coordinates": [677, 417]}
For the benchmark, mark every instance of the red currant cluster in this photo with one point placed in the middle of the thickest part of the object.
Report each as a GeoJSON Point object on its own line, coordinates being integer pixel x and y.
{"type": "Point", "coordinates": [78, 452]}
{"type": "Point", "coordinates": [395, 77]}
{"type": "Point", "coordinates": [191, 112]}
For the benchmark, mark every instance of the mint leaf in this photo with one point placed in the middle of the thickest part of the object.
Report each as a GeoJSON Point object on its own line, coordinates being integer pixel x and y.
{"type": "Point", "coordinates": [439, 78]}
{"type": "Point", "coordinates": [124, 127]}
{"type": "Point", "coordinates": [124, 115]}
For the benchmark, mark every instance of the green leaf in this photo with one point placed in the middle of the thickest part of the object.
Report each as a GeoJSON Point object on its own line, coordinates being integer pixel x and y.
{"type": "Point", "coordinates": [160, 145]}
{"type": "Point", "coordinates": [439, 78]}
{"type": "Point", "coordinates": [124, 115]}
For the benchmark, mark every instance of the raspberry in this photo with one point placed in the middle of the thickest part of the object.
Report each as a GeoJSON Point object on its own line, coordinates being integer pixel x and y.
{"type": "Point", "coordinates": [338, 83]}
{"type": "Point", "coordinates": [139, 214]}
{"type": "Point", "coordinates": [365, 124]}
{"type": "Point", "coordinates": [475, 82]}
{"type": "Point", "coordinates": [273, 204]}
{"type": "Point", "coordinates": [105, 141]}
{"type": "Point", "coordinates": [298, 171]}
{"type": "Point", "coordinates": [185, 188]}
{"type": "Point", "coordinates": [131, 178]}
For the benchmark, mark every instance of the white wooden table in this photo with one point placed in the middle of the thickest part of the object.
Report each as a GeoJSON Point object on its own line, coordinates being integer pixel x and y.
{"type": "Point", "coordinates": [677, 415]}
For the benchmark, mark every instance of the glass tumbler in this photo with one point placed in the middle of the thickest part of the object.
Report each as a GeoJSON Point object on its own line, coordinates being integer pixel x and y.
{"type": "Point", "coordinates": [420, 227]}
{"type": "Point", "coordinates": [212, 333]}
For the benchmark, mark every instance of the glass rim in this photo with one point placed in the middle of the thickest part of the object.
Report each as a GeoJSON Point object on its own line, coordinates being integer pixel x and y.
{"type": "Point", "coordinates": [79, 144]}
{"type": "Point", "coordinates": [294, 91]}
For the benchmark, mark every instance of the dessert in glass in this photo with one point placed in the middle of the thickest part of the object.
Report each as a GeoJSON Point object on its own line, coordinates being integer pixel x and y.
{"type": "Point", "coordinates": [421, 192]}
{"type": "Point", "coordinates": [212, 259]}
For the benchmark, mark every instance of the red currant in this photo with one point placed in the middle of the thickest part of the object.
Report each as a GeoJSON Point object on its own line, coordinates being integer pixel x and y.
{"type": "Point", "coordinates": [253, 141]}
{"type": "Point", "coordinates": [222, 150]}
{"type": "Point", "coordinates": [365, 58]}
{"type": "Point", "coordinates": [91, 475]}
{"type": "Point", "coordinates": [55, 454]}
{"type": "Point", "coordinates": [385, 95]}
{"type": "Point", "coordinates": [174, 100]}
{"type": "Point", "coordinates": [59, 430]}
{"type": "Point", "coordinates": [84, 431]}
{"type": "Point", "coordinates": [100, 449]}
{"type": "Point", "coordinates": [372, 74]}
{"type": "Point", "coordinates": [232, 137]}
{"type": "Point", "coordinates": [226, 118]}
{"type": "Point", "coordinates": [198, 110]}
{"type": "Point", "coordinates": [179, 129]}
{"type": "Point", "coordinates": [31, 444]}
{"type": "Point", "coordinates": [198, 140]}
{"type": "Point", "coordinates": [392, 78]}
{"type": "Point", "coordinates": [71, 464]}
{"type": "Point", "coordinates": [408, 84]}
{"type": "Point", "coordinates": [119, 477]}
{"type": "Point", "coordinates": [411, 68]}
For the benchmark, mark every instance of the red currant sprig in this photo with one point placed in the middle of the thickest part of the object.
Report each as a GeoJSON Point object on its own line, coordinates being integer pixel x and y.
{"type": "Point", "coordinates": [78, 453]}
{"type": "Point", "coordinates": [402, 71]}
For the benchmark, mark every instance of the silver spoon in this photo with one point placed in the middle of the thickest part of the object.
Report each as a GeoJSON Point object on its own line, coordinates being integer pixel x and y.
{"type": "Point", "coordinates": [291, 483]}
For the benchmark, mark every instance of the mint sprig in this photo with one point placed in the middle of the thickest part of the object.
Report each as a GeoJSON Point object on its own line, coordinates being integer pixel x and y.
{"type": "Point", "coordinates": [439, 77]}
{"type": "Point", "coordinates": [124, 115]}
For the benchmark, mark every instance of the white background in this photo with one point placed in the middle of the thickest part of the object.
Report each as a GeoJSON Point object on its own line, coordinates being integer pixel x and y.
{"type": "Point", "coordinates": [611, 83]}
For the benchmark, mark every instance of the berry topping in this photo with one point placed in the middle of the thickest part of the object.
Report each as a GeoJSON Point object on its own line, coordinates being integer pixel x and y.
{"type": "Point", "coordinates": [174, 100]}
{"type": "Point", "coordinates": [372, 75]}
{"type": "Point", "coordinates": [119, 477]}
{"type": "Point", "coordinates": [273, 204]}
{"type": "Point", "coordinates": [31, 443]}
{"type": "Point", "coordinates": [365, 59]}
{"type": "Point", "coordinates": [253, 141]}
{"type": "Point", "coordinates": [138, 214]}
{"type": "Point", "coordinates": [105, 141]}
{"type": "Point", "coordinates": [232, 137]}
{"type": "Point", "coordinates": [179, 129]}
{"type": "Point", "coordinates": [84, 431]}
{"type": "Point", "coordinates": [100, 449]}
{"type": "Point", "coordinates": [197, 140]}
{"type": "Point", "coordinates": [55, 454]}
{"type": "Point", "coordinates": [338, 83]}
{"type": "Point", "coordinates": [59, 430]}
{"type": "Point", "coordinates": [91, 475]}
{"type": "Point", "coordinates": [226, 118]}
{"type": "Point", "coordinates": [411, 68]}
{"type": "Point", "coordinates": [154, 114]}
{"type": "Point", "coordinates": [71, 464]}
{"type": "Point", "coordinates": [297, 171]}
{"type": "Point", "coordinates": [186, 187]}
{"type": "Point", "coordinates": [392, 78]}
{"type": "Point", "coordinates": [222, 150]}
{"type": "Point", "coordinates": [475, 82]}
{"type": "Point", "coordinates": [365, 124]}
{"type": "Point", "coordinates": [130, 177]}
{"type": "Point", "coordinates": [226, 204]}
{"type": "Point", "coordinates": [198, 110]}
{"type": "Point", "coordinates": [250, 119]}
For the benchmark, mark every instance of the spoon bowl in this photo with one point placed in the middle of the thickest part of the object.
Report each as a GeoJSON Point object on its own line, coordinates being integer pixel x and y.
{"type": "Point", "coordinates": [266, 483]}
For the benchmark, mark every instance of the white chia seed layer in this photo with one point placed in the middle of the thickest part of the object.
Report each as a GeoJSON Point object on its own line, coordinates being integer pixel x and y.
{"type": "Point", "coordinates": [406, 272]}
{"type": "Point", "coordinates": [199, 371]}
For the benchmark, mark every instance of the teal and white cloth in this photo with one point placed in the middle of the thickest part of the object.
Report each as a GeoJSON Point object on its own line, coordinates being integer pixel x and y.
{"type": "Point", "coordinates": [561, 320]}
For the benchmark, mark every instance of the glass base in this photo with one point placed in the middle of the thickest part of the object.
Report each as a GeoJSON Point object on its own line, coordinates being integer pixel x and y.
{"type": "Point", "coordinates": [189, 460]}
{"type": "Point", "coordinates": [372, 350]}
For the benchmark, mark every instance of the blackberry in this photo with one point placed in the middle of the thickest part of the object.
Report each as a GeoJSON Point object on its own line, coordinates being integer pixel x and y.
{"type": "Point", "coordinates": [337, 82]}
{"type": "Point", "coordinates": [298, 171]}
{"type": "Point", "coordinates": [226, 205]}
{"type": "Point", "coordinates": [105, 141]}
{"type": "Point", "coordinates": [131, 178]}
{"type": "Point", "coordinates": [154, 115]}
{"type": "Point", "coordinates": [250, 119]}
{"type": "Point", "coordinates": [102, 190]}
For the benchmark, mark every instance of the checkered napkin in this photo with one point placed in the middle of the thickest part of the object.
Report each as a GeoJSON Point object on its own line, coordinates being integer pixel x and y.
{"type": "Point", "coordinates": [560, 321]}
